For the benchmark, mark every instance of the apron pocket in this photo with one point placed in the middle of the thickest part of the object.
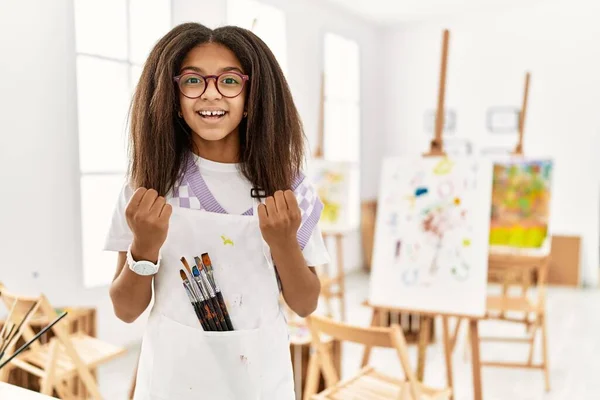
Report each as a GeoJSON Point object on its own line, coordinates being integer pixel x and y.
{"type": "Point", "coordinates": [190, 363]}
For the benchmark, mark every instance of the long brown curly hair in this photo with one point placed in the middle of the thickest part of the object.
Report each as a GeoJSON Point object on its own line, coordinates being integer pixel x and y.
{"type": "Point", "coordinates": [271, 137]}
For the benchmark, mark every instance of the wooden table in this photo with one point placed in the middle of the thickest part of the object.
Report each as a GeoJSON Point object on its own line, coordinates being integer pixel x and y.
{"type": "Point", "coordinates": [8, 392]}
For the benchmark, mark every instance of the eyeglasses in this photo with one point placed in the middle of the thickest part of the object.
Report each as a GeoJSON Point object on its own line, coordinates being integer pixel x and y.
{"type": "Point", "coordinates": [228, 84]}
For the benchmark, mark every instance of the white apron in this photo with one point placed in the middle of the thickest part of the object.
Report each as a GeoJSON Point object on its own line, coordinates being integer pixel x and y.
{"type": "Point", "coordinates": [179, 360]}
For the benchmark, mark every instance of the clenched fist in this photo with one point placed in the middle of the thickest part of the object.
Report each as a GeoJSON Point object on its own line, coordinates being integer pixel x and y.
{"type": "Point", "coordinates": [148, 217]}
{"type": "Point", "coordinates": [279, 219]}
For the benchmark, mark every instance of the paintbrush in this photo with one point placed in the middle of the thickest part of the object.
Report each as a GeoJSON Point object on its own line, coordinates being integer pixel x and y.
{"type": "Point", "coordinates": [196, 289]}
{"type": "Point", "coordinates": [26, 345]}
{"type": "Point", "coordinates": [13, 332]}
{"type": "Point", "coordinates": [186, 265]}
{"type": "Point", "coordinates": [205, 266]}
{"type": "Point", "coordinates": [193, 300]}
{"type": "Point", "coordinates": [211, 298]}
{"type": "Point", "coordinates": [204, 291]}
{"type": "Point", "coordinates": [201, 292]}
{"type": "Point", "coordinates": [202, 303]}
{"type": "Point", "coordinates": [6, 338]}
{"type": "Point", "coordinates": [8, 320]}
{"type": "Point", "coordinates": [208, 264]}
{"type": "Point", "coordinates": [201, 279]}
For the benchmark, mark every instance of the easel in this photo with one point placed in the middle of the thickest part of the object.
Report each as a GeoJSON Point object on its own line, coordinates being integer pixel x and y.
{"type": "Point", "coordinates": [522, 116]}
{"type": "Point", "coordinates": [520, 269]}
{"type": "Point", "coordinates": [449, 341]}
{"type": "Point", "coordinates": [331, 287]}
{"type": "Point", "coordinates": [307, 375]}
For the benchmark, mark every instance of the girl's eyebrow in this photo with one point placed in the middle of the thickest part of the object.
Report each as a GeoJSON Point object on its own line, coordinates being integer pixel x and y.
{"type": "Point", "coordinates": [200, 70]}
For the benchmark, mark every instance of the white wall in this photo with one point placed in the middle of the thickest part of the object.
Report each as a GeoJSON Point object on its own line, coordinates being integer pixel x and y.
{"type": "Point", "coordinates": [489, 54]}
{"type": "Point", "coordinates": [40, 239]}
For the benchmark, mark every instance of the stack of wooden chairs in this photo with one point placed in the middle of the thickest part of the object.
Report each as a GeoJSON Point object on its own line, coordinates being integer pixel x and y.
{"type": "Point", "coordinates": [64, 357]}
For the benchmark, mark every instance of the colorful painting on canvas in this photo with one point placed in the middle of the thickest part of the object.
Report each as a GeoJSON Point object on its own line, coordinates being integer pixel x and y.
{"type": "Point", "coordinates": [431, 238]}
{"type": "Point", "coordinates": [521, 195]}
{"type": "Point", "coordinates": [337, 187]}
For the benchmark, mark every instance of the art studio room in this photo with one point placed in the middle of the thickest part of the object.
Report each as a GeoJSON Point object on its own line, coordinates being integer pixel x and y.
{"type": "Point", "coordinates": [300, 199]}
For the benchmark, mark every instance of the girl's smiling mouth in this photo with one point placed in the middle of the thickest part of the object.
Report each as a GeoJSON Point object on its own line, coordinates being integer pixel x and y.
{"type": "Point", "coordinates": [211, 114]}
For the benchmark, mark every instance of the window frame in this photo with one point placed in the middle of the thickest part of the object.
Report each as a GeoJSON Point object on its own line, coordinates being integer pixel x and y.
{"type": "Point", "coordinates": [92, 279]}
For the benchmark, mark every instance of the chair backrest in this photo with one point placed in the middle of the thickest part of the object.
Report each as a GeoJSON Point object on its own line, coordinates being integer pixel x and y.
{"type": "Point", "coordinates": [519, 271]}
{"type": "Point", "coordinates": [391, 337]}
{"type": "Point", "coordinates": [21, 310]}
{"type": "Point", "coordinates": [375, 336]}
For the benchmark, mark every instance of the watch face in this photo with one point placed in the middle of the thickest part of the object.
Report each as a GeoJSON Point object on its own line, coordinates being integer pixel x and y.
{"type": "Point", "coordinates": [143, 268]}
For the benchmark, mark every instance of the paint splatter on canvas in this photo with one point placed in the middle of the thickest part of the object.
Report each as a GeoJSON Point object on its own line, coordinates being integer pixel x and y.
{"type": "Point", "coordinates": [521, 203]}
{"type": "Point", "coordinates": [431, 236]}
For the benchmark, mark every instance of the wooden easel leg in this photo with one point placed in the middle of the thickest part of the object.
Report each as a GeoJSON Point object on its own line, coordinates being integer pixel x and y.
{"type": "Point", "coordinates": [312, 376]}
{"type": "Point", "coordinates": [326, 291]}
{"type": "Point", "coordinates": [467, 340]}
{"type": "Point", "coordinates": [341, 275]}
{"type": "Point", "coordinates": [454, 337]}
{"type": "Point", "coordinates": [423, 342]}
{"type": "Point", "coordinates": [533, 331]}
{"type": "Point", "coordinates": [448, 354]}
{"type": "Point", "coordinates": [134, 379]}
{"type": "Point", "coordinates": [367, 353]}
{"type": "Point", "coordinates": [545, 352]}
{"type": "Point", "coordinates": [476, 361]}
{"type": "Point", "coordinates": [298, 371]}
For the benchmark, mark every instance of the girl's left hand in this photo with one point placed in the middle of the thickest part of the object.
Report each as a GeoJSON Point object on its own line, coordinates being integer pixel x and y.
{"type": "Point", "coordinates": [279, 219]}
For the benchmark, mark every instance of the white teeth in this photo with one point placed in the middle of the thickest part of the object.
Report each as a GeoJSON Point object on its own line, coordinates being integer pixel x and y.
{"type": "Point", "coordinates": [211, 113]}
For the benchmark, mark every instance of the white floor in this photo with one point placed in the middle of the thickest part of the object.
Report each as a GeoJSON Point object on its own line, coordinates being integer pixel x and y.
{"type": "Point", "coordinates": [574, 343]}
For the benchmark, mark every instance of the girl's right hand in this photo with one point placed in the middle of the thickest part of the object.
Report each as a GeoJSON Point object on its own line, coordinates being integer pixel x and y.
{"type": "Point", "coordinates": [148, 218]}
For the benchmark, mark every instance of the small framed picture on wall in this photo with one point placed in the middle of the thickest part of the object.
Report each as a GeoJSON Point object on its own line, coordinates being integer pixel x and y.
{"type": "Point", "coordinates": [503, 119]}
{"type": "Point", "coordinates": [495, 151]}
{"type": "Point", "coordinates": [449, 121]}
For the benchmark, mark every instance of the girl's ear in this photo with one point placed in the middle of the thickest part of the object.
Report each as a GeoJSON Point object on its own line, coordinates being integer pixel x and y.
{"type": "Point", "coordinates": [179, 114]}
{"type": "Point", "coordinates": [245, 114]}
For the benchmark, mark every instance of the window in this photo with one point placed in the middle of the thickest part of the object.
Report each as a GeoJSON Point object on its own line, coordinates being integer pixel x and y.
{"type": "Point", "coordinates": [342, 99]}
{"type": "Point", "coordinates": [266, 21]}
{"type": "Point", "coordinates": [342, 114]}
{"type": "Point", "coordinates": [113, 39]}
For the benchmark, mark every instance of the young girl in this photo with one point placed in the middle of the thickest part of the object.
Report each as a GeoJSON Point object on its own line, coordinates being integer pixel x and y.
{"type": "Point", "coordinates": [213, 127]}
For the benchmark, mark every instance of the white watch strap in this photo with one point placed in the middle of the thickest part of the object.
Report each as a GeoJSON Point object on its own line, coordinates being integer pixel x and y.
{"type": "Point", "coordinates": [131, 261]}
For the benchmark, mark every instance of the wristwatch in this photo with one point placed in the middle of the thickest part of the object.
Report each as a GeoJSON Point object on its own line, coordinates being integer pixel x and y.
{"type": "Point", "coordinates": [142, 267]}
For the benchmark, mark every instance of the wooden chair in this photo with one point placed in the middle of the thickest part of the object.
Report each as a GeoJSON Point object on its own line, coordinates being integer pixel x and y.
{"type": "Point", "coordinates": [63, 357]}
{"type": "Point", "coordinates": [520, 272]}
{"type": "Point", "coordinates": [368, 383]}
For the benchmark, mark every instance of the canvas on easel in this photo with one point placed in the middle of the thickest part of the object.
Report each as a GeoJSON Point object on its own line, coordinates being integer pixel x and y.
{"type": "Point", "coordinates": [431, 239]}
{"type": "Point", "coordinates": [520, 212]}
{"type": "Point", "coordinates": [336, 183]}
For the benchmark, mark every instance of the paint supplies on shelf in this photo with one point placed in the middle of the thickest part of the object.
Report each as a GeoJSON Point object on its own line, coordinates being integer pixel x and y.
{"type": "Point", "coordinates": [205, 294]}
